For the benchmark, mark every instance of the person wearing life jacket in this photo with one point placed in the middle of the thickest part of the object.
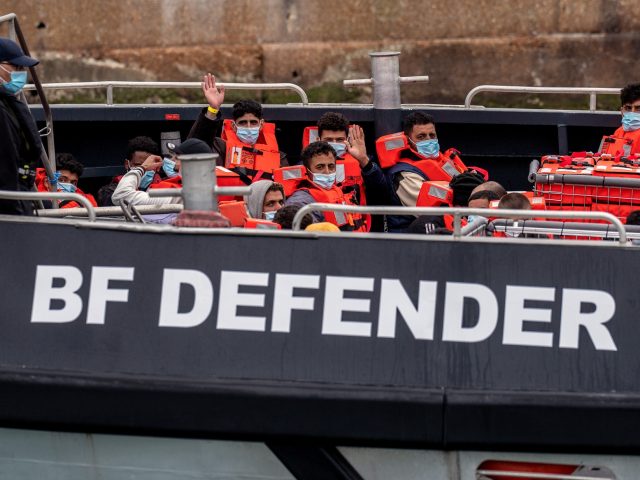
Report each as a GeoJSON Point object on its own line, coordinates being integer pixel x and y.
{"type": "Point", "coordinates": [625, 140]}
{"type": "Point", "coordinates": [247, 144]}
{"type": "Point", "coordinates": [68, 172]}
{"type": "Point", "coordinates": [319, 186]}
{"type": "Point", "coordinates": [128, 188]}
{"type": "Point", "coordinates": [363, 179]}
{"type": "Point", "coordinates": [138, 150]}
{"type": "Point", "coordinates": [421, 160]}
{"type": "Point", "coordinates": [265, 199]}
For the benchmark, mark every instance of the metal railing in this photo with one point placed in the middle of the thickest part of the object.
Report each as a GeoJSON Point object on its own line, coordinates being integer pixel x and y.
{"type": "Point", "coordinates": [458, 213]}
{"type": "Point", "coordinates": [34, 196]}
{"type": "Point", "coordinates": [562, 229]}
{"type": "Point", "coordinates": [15, 33]}
{"type": "Point", "coordinates": [541, 476]}
{"type": "Point", "coordinates": [111, 85]}
{"type": "Point", "coordinates": [591, 91]}
{"type": "Point", "coordinates": [109, 211]}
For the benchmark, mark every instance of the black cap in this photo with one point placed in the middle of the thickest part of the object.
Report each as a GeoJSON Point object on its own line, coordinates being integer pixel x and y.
{"type": "Point", "coordinates": [10, 52]}
{"type": "Point", "coordinates": [188, 147]}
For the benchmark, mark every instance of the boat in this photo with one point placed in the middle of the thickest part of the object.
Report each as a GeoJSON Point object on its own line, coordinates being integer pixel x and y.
{"type": "Point", "coordinates": [131, 350]}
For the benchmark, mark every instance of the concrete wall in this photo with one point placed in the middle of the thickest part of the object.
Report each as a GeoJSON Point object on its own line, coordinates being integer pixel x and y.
{"type": "Point", "coordinates": [459, 43]}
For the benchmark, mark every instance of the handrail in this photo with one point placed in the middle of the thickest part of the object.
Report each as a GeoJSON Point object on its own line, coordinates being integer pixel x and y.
{"type": "Point", "coordinates": [560, 228]}
{"type": "Point", "coordinates": [110, 85]}
{"type": "Point", "coordinates": [15, 32]}
{"type": "Point", "coordinates": [110, 211]}
{"type": "Point", "coordinates": [591, 91]}
{"type": "Point", "coordinates": [458, 213]}
{"type": "Point", "coordinates": [13, 195]}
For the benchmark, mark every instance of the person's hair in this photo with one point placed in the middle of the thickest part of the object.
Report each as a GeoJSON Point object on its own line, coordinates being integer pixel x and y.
{"type": "Point", "coordinates": [334, 122]}
{"type": "Point", "coordinates": [489, 195]}
{"type": "Point", "coordinates": [491, 186]}
{"type": "Point", "coordinates": [416, 118]}
{"type": "Point", "coordinates": [246, 106]}
{"type": "Point", "coordinates": [630, 93]}
{"type": "Point", "coordinates": [284, 217]}
{"type": "Point", "coordinates": [314, 149]}
{"type": "Point", "coordinates": [514, 201]}
{"type": "Point", "coordinates": [276, 187]}
{"type": "Point", "coordinates": [462, 186]}
{"type": "Point", "coordinates": [142, 144]}
{"type": "Point", "coordinates": [66, 161]}
{"type": "Point", "coordinates": [634, 218]}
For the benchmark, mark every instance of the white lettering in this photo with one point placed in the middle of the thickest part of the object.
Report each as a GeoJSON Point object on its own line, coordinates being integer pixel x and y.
{"type": "Point", "coordinates": [335, 304]}
{"type": "Point", "coordinates": [394, 299]}
{"type": "Point", "coordinates": [453, 330]}
{"type": "Point", "coordinates": [44, 292]}
{"type": "Point", "coordinates": [172, 281]}
{"type": "Point", "coordinates": [100, 293]}
{"type": "Point", "coordinates": [572, 318]}
{"type": "Point", "coordinates": [231, 299]}
{"type": "Point", "coordinates": [284, 302]}
{"type": "Point", "coordinates": [515, 314]}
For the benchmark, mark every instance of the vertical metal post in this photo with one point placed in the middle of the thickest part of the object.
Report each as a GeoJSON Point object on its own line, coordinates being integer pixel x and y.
{"type": "Point", "coordinates": [109, 94]}
{"type": "Point", "coordinates": [385, 71]}
{"type": "Point", "coordinates": [198, 181]}
{"type": "Point", "coordinates": [593, 102]}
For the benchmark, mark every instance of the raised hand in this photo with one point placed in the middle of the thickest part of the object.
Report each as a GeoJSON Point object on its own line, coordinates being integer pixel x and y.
{"type": "Point", "coordinates": [213, 94]}
{"type": "Point", "coordinates": [152, 162]}
{"type": "Point", "coordinates": [356, 146]}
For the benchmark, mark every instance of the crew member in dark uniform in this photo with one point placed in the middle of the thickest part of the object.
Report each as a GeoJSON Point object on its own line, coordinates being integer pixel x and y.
{"type": "Point", "coordinates": [20, 146]}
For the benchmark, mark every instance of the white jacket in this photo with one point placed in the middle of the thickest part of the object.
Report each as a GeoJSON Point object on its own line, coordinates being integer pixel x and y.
{"type": "Point", "coordinates": [127, 190]}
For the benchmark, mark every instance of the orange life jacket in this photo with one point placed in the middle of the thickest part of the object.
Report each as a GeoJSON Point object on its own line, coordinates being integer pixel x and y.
{"type": "Point", "coordinates": [435, 194]}
{"type": "Point", "coordinates": [235, 211]}
{"type": "Point", "coordinates": [621, 143]}
{"type": "Point", "coordinates": [348, 171]}
{"type": "Point", "coordinates": [263, 157]}
{"type": "Point", "coordinates": [261, 224]}
{"type": "Point", "coordinates": [392, 150]}
{"type": "Point", "coordinates": [344, 221]}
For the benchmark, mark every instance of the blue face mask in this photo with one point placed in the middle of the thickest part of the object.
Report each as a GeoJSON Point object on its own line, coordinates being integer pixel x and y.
{"type": "Point", "coordinates": [340, 148]}
{"type": "Point", "coordinates": [169, 167]}
{"type": "Point", "coordinates": [630, 121]}
{"type": "Point", "coordinates": [324, 180]}
{"type": "Point", "coordinates": [269, 215]}
{"type": "Point", "coordinates": [17, 83]}
{"type": "Point", "coordinates": [428, 148]}
{"type": "Point", "coordinates": [66, 187]}
{"type": "Point", "coordinates": [248, 135]}
{"type": "Point", "coordinates": [146, 179]}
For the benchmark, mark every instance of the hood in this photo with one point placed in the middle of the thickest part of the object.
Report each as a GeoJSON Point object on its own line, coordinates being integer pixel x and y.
{"type": "Point", "coordinates": [255, 200]}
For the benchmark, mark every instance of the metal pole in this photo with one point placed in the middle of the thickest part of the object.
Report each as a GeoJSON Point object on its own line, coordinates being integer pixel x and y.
{"type": "Point", "coordinates": [387, 112]}
{"type": "Point", "coordinates": [198, 181]}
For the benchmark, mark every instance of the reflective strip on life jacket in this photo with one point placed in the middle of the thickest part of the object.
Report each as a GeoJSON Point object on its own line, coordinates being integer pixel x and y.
{"type": "Point", "coordinates": [434, 194]}
{"type": "Point", "coordinates": [290, 177]}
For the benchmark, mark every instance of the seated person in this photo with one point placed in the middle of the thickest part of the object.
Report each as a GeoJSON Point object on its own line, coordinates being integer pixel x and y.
{"type": "Point", "coordinates": [482, 198]}
{"type": "Point", "coordinates": [246, 144]}
{"type": "Point", "coordinates": [265, 200]}
{"type": "Point", "coordinates": [492, 186]}
{"type": "Point", "coordinates": [418, 161]}
{"type": "Point", "coordinates": [626, 139]}
{"type": "Point", "coordinates": [128, 190]}
{"type": "Point", "coordinates": [284, 217]}
{"type": "Point", "coordinates": [319, 186]}
{"type": "Point", "coordinates": [349, 144]}
{"type": "Point", "coordinates": [68, 172]}
{"type": "Point", "coordinates": [138, 150]}
{"type": "Point", "coordinates": [515, 201]}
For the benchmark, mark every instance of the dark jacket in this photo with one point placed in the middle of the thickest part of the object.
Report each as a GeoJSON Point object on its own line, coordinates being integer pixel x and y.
{"type": "Point", "coordinates": [20, 151]}
{"type": "Point", "coordinates": [209, 131]}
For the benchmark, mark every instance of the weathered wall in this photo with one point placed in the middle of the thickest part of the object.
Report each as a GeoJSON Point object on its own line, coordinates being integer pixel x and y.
{"type": "Point", "coordinates": [459, 43]}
